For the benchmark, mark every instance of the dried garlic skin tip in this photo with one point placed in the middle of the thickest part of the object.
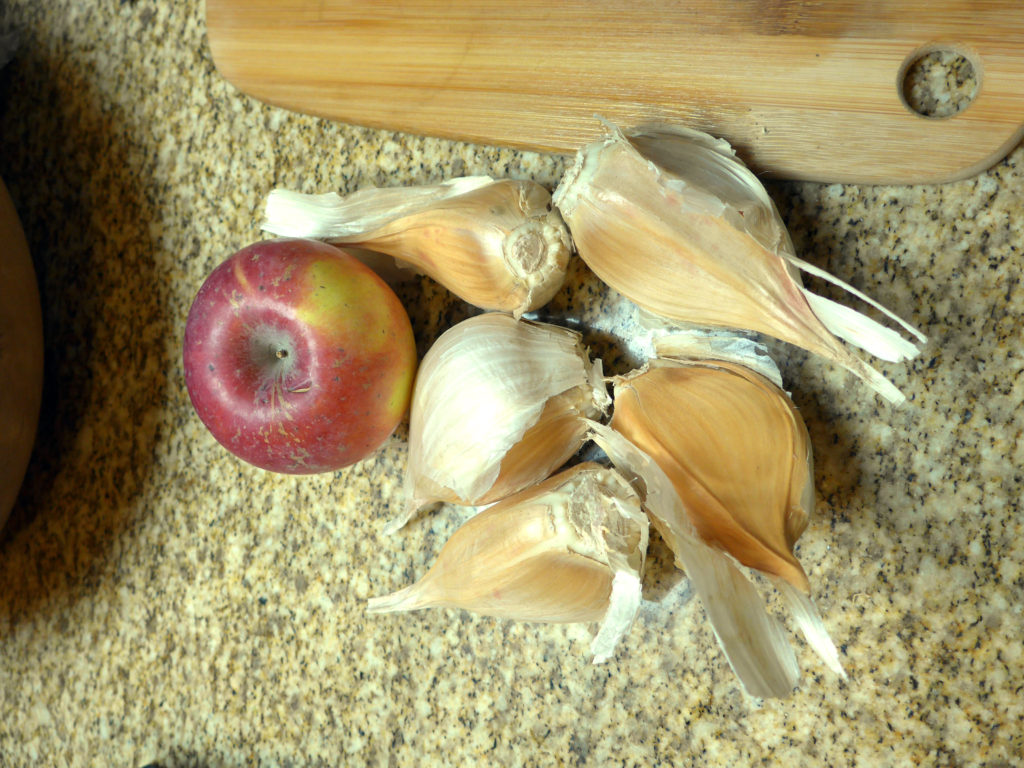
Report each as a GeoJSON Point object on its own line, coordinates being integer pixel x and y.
{"type": "Point", "coordinates": [498, 405]}
{"type": "Point", "coordinates": [550, 553]}
{"type": "Point", "coordinates": [497, 244]}
{"type": "Point", "coordinates": [737, 453]}
{"type": "Point", "coordinates": [673, 221]}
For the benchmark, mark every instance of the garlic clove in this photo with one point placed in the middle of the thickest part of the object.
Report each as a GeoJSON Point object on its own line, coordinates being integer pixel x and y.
{"type": "Point", "coordinates": [497, 244]}
{"type": "Point", "coordinates": [571, 549]}
{"type": "Point", "coordinates": [710, 164]}
{"type": "Point", "coordinates": [736, 450]}
{"type": "Point", "coordinates": [753, 642]}
{"type": "Point", "coordinates": [498, 405]}
{"type": "Point", "coordinates": [727, 468]}
{"type": "Point", "coordinates": [674, 221]}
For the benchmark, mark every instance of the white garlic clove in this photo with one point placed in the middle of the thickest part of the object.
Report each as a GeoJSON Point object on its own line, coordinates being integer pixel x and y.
{"type": "Point", "coordinates": [498, 405]}
{"type": "Point", "coordinates": [736, 450]}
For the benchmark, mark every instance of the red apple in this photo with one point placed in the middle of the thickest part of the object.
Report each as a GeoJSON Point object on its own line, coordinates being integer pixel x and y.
{"type": "Point", "coordinates": [298, 358]}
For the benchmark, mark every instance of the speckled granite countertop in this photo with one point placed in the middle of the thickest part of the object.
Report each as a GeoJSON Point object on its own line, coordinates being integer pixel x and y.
{"type": "Point", "coordinates": [162, 602]}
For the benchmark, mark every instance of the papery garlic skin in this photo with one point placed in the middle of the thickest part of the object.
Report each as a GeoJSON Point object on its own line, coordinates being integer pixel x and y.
{"type": "Point", "coordinates": [571, 549]}
{"type": "Point", "coordinates": [498, 405]}
{"type": "Point", "coordinates": [497, 244]}
{"type": "Point", "coordinates": [717, 345]}
{"type": "Point", "coordinates": [674, 221]}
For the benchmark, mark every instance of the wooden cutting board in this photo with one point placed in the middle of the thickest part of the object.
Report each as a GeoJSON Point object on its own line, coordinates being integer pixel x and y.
{"type": "Point", "coordinates": [803, 90]}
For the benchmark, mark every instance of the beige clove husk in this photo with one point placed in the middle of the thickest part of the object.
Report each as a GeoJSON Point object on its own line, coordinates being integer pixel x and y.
{"type": "Point", "coordinates": [571, 549]}
{"type": "Point", "coordinates": [497, 244]}
{"type": "Point", "coordinates": [498, 405]}
{"type": "Point", "coordinates": [674, 221]}
{"type": "Point", "coordinates": [715, 344]}
{"type": "Point", "coordinates": [726, 464]}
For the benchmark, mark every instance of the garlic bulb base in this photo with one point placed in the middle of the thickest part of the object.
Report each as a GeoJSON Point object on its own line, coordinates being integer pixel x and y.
{"type": "Point", "coordinates": [532, 251]}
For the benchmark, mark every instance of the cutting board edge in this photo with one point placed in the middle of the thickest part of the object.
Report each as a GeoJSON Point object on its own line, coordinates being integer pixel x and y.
{"type": "Point", "coordinates": [237, 77]}
{"type": "Point", "coordinates": [922, 177]}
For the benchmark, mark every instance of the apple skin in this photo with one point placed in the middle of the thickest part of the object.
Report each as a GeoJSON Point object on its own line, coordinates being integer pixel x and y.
{"type": "Point", "coordinates": [298, 358]}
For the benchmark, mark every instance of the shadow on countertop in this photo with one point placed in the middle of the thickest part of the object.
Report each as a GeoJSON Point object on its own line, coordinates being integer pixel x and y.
{"type": "Point", "coordinates": [80, 188]}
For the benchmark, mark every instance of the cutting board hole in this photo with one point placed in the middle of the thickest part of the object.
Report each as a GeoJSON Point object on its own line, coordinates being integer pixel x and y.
{"type": "Point", "coordinates": [938, 82]}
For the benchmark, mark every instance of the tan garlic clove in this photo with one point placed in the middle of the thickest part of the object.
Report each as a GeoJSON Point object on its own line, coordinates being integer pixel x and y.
{"type": "Point", "coordinates": [736, 450]}
{"type": "Point", "coordinates": [725, 464]}
{"type": "Point", "coordinates": [497, 244]}
{"type": "Point", "coordinates": [498, 405]}
{"type": "Point", "coordinates": [674, 221]}
{"type": "Point", "coordinates": [571, 549]}
{"type": "Point", "coordinates": [753, 642]}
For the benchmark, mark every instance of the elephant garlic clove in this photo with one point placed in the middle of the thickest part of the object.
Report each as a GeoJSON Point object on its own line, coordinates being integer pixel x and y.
{"type": "Point", "coordinates": [674, 221]}
{"type": "Point", "coordinates": [498, 405]}
{"type": "Point", "coordinates": [496, 244]}
{"type": "Point", "coordinates": [571, 549]}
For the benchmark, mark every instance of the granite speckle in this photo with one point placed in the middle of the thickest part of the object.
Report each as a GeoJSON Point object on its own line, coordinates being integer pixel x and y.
{"type": "Point", "coordinates": [160, 602]}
